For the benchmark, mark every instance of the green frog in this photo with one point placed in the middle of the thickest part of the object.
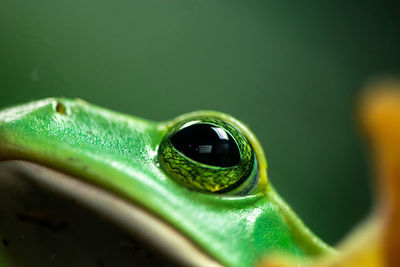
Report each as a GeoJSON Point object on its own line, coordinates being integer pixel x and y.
{"type": "Point", "coordinates": [195, 187]}
{"type": "Point", "coordinates": [202, 175]}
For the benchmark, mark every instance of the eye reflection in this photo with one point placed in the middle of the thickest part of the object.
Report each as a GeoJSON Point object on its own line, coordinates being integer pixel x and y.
{"type": "Point", "coordinates": [205, 149]}
{"type": "Point", "coordinates": [221, 133]}
{"type": "Point", "coordinates": [208, 144]}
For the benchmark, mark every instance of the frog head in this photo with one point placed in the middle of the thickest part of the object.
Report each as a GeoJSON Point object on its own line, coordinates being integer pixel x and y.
{"type": "Point", "coordinates": [195, 187]}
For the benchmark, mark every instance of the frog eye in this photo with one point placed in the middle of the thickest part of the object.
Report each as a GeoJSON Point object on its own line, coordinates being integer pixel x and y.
{"type": "Point", "coordinates": [209, 155]}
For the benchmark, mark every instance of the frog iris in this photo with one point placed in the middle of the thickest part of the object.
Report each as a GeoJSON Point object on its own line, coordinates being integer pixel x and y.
{"type": "Point", "coordinates": [210, 155]}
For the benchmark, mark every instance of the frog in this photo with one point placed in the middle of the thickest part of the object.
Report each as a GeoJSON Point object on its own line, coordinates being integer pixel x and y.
{"type": "Point", "coordinates": [198, 182]}
{"type": "Point", "coordinates": [222, 202]}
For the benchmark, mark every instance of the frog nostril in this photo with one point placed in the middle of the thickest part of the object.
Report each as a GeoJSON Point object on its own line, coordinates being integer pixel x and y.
{"type": "Point", "coordinates": [60, 108]}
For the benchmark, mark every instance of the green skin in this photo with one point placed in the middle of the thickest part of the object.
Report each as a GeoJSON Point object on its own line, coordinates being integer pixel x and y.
{"type": "Point", "coordinates": [94, 144]}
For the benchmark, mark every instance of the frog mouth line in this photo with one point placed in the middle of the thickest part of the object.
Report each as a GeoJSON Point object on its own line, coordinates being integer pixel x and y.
{"type": "Point", "coordinates": [137, 223]}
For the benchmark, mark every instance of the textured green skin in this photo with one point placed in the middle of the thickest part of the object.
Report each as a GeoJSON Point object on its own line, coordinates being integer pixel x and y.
{"type": "Point", "coordinates": [119, 153]}
{"type": "Point", "coordinates": [205, 177]}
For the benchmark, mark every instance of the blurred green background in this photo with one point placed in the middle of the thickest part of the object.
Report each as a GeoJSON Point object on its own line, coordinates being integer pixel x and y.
{"type": "Point", "coordinates": [291, 70]}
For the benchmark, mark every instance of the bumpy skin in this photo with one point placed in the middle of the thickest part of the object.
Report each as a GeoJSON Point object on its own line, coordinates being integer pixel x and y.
{"type": "Point", "coordinates": [120, 153]}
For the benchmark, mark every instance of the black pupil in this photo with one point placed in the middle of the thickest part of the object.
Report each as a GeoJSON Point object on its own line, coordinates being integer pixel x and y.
{"type": "Point", "coordinates": [208, 144]}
